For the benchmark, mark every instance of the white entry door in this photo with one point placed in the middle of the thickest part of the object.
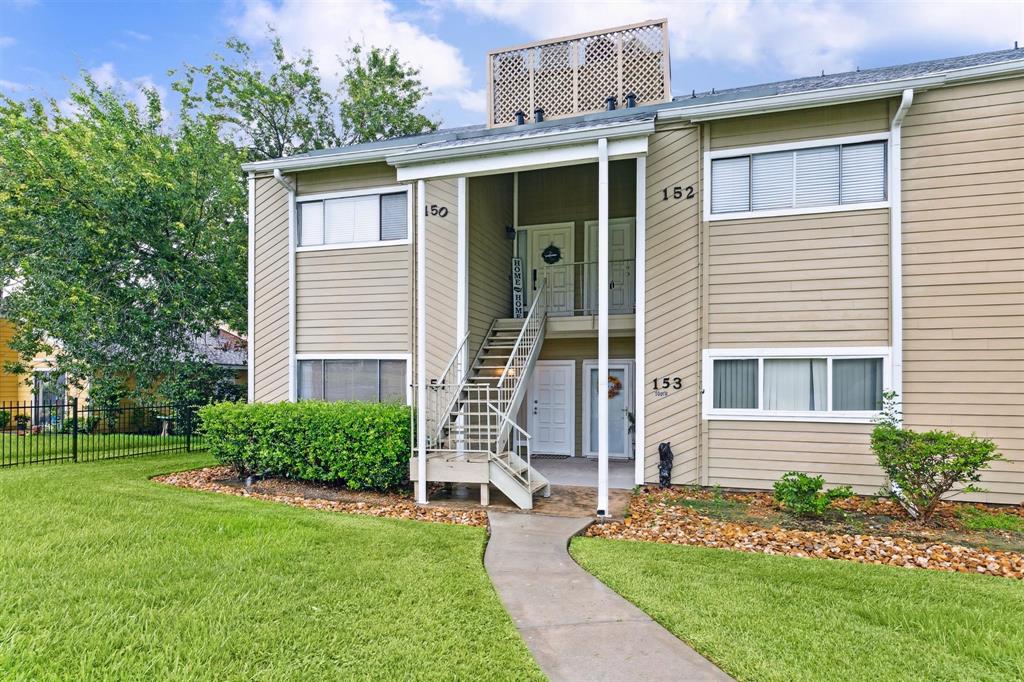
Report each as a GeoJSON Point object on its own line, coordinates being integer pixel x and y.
{"type": "Point", "coordinates": [551, 419]}
{"type": "Point", "coordinates": [552, 255]}
{"type": "Point", "coordinates": [619, 385]}
{"type": "Point", "coordinates": [621, 265]}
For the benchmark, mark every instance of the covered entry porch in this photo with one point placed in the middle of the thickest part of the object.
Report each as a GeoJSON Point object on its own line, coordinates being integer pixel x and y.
{"type": "Point", "coordinates": [546, 251]}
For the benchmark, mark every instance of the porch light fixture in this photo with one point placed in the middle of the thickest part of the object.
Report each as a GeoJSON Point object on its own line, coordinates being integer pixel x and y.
{"type": "Point", "coordinates": [510, 233]}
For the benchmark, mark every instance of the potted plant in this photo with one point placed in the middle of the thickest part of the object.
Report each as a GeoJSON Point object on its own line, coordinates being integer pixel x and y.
{"type": "Point", "coordinates": [21, 421]}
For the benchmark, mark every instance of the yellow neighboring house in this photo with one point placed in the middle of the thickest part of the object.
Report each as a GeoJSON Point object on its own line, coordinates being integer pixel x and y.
{"type": "Point", "coordinates": [21, 388]}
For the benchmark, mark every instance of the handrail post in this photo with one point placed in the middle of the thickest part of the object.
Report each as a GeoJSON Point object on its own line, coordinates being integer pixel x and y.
{"type": "Point", "coordinates": [74, 429]}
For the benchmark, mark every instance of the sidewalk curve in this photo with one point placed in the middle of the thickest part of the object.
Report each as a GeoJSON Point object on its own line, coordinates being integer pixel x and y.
{"type": "Point", "coordinates": [577, 628]}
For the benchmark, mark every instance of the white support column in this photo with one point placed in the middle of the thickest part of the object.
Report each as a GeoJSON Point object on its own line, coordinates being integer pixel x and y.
{"type": "Point", "coordinates": [293, 392]}
{"type": "Point", "coordinates": [462, 274]}
{"type": "Point", "coordinates": [251, 326]}
{"type": "Point", "coordinates": [602, 327]}
{"type": "Point", "coordinates": [421, 341]}
{"type": "Point", "coordinates": [640, 286]}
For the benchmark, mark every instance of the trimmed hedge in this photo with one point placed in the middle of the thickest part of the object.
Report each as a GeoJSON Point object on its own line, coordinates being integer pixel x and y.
{"type": "Point", "coordinates": [363, 445]}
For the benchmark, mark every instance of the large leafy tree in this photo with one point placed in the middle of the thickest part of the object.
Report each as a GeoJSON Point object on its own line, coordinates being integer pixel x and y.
{"type": "Point", "coordinates": [276, 111]}
{"type": "Point", "coordinates": [381, 97]}
{"type": "Point", "coordinates": [120, 242]}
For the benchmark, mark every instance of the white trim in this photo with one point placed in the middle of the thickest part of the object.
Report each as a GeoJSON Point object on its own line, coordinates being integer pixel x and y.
{"type": "Point", "coordinates": [710, 156]}
{"type": "Point", "coordinates": [421, 340]}
{"type": "Point", "coordinates": [462, 272]}
{"type": "Point", "coordinates": [349, 193]}
{"type": "Point", "coordinates": [344, 156]}
{"type": "Point", "coordinates": [251, 284]}
{"type": "Point", "coordinates": [407, 357]}
{"type": "Point", "coordinates": [354, 245]}
{"type": "Point", "coordinates": [512, 140]}
{"type": "Point", "coordinates": [640, 321]}
{"type": "Point", "coordinates": [629, 366]}
{"type": "Point", "coordinates": [895, 158]}
{"type": "Point", "coordinates": [829, 353]}
{"type": "Point", "coordinates": [571, 404]}
{"type": "Point", "coordinates": [292, 226]}
{"type": "Point", "coordinates": [602, 326]}
{"type": "Point", "coordinates": [522, 160]}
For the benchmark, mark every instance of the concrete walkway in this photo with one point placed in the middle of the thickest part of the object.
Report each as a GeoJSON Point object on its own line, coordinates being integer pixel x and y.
{"type": "Point", "coordinates": [576, 627]}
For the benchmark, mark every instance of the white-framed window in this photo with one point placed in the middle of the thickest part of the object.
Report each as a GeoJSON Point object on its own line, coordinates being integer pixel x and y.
{"type": "Point", "coordinates": [838, 174]}
{"type": "Point", "coordinates": [349, 377]}
{"type": "Point", "coordinates": [795, 384]}
{"type": "Point", "coordinates": [369, 217]}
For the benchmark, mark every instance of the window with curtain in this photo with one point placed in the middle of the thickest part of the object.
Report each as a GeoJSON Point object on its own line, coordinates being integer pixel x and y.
{"type": "Point", "coordinates": [365, 380]}
{"type": "Point", "coordinates": [780, 384]}
{"type": "Point", "coordinates": [831, 175]}
{"type": "Point", "coordinates": [354, 220]}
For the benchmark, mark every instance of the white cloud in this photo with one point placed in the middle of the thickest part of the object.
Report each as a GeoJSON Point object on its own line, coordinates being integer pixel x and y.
{"type": "Point", "coordinates": [798, 38]}
{"type": "Point", "coordinates": [11, 86]}
{"type": "Point", "coordinates": [7, 41]}
{"type": "Point", "coordinates": [328, 29]}
{"type": "Point", "coordinates": [141, 37]}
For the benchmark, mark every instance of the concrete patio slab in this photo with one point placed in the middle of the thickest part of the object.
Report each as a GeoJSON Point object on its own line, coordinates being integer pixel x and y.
{"type": "Point", "coordinates": [576, 627]}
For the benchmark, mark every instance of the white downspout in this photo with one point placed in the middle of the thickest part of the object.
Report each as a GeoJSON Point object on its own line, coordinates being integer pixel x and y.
{"type": "Point", "coordinates": [896, 240]}
{"type": "Point", "coordinates": [288, 185]}
{"type": "Point", "coordinates": [251, 326]}
{"type": "Point", "coordinates": [421, 341]}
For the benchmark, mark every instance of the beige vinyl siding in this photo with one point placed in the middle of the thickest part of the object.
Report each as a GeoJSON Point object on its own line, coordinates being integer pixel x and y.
{"type": "Point", "coordinates": [353, 300]}
{"type": "Point", "coordinates": [673, 302]}
{"type": "Point", "coordinates": [270, 334]}
{"type": "Point", "coordinates": [819, 279]}
{"type": "Point", "coordinates": [803, 124]}
{"type": "Point", "coordinates": [963, 270]}
{"type": "Point", "coordinates": [490, 254]}
{"type": "Point", "coordinates": [442, 272]}
{"type": "Point", "coordinates": [580, 349]}
{"type": "Point", "coordinates": [345, 178]}
{"type": "Point", "coordinates": [756, 454]}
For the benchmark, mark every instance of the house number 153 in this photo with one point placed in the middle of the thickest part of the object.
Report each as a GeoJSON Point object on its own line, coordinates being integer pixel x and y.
{"type": "Point", "coordinates": [668, 382]}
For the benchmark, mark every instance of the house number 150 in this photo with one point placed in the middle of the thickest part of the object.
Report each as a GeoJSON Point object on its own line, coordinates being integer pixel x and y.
{"type": "Point", "coordinates": [434, 209]}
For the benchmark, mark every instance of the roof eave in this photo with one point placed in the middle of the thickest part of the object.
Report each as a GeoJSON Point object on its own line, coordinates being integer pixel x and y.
{"type": "Point", "coordinates": [341, 158]}
{"type": "Point", "coordinates": [696, 113]}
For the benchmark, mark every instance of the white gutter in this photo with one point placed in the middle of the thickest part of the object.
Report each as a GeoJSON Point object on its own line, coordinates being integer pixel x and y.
{"type": "Point", "coordinates": [338, 158]}
{"type": "Point", "coordinates": [896, 239]}
{"type": "Point", "coordinates": [283, 181]}
{"type": "Point", "coordinates": [841, 95]}
{"type": "Point", "coordinates": [554, 138]}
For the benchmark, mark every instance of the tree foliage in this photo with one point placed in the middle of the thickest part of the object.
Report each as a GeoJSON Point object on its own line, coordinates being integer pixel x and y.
{"type": "Point", "coordinates": [124, 242]}
{"type": "Point", "coordinates": [282, 111]}
{"type": "Point", "coordinates": [381, 97]}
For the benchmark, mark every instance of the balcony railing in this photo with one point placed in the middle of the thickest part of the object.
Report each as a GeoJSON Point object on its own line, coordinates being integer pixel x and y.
{"type": "Point", "coordinates": [577, 74]}
{"type": "Point", "coordinates": [572, 287]}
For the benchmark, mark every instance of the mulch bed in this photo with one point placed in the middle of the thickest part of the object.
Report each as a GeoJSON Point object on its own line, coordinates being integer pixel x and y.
{"type": "Point", "coordinates": [222, 479]}
{"type": "Point", "coordinates": [659, 516]}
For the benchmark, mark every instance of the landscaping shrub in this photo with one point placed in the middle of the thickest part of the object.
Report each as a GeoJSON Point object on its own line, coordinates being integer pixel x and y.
{"type": "Point", "coordinates": [925, 466]}
{"type": "Point", "coordinates": [363, 445]}
{"type": "Point", "coordinates": [5, 419]}
{"type": "Point", "coordinates": [802, 494]}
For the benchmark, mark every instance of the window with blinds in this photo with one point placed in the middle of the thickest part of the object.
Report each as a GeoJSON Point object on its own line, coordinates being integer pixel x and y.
{"type": "Point", "coordinates": [832, 175]}
{"type": "Point", "coordinates": [354, 220]}
{"type": "Point", "coordinates": [372, 381]}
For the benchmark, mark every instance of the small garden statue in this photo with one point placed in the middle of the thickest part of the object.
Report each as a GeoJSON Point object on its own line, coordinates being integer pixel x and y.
{"type": "Point", "coordinates": [665, 465]}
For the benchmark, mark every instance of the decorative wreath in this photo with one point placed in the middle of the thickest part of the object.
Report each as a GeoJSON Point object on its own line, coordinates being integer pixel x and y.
{"type": "Point", "coordinates": [551, 255]}
{"type": "Point", "coordinates": [614, 387]}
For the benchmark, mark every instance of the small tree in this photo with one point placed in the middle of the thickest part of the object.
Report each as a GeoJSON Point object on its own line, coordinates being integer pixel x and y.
{"type": "Point", "coordinates": [381, 97]}
{"type": "Point", "coordinates": [925, 466]}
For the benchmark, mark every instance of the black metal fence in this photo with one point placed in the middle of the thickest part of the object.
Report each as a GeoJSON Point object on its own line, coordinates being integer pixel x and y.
{"type": "Point", "coordinates": [36, 433]}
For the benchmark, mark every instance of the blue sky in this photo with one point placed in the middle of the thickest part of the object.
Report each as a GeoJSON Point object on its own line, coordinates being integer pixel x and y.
{"type": "Point", "coordinates": [43, 43]}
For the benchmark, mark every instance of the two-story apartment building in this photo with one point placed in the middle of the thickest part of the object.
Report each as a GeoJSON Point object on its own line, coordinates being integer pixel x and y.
{"type": "Point", "coordinates": [603, 267]}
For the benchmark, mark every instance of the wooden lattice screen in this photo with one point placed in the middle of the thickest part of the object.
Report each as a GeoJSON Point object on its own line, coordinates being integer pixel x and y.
{"type": "Point", "coordinates": [576, 75]}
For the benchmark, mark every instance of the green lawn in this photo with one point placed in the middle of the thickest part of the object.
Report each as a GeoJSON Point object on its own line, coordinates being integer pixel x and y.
{"type": "Point", "coordinates": [107, 575]}
{"type": "Point", "coordinates": [780, 618]}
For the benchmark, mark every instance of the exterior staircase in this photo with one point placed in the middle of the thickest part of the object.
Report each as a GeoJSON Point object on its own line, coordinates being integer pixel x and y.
{"type": "Point", "coordinates": [471, 424]}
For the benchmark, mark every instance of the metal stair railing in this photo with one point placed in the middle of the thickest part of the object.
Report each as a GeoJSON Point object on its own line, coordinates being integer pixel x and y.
{"type": "Point", "coordinates": [528, 479]}
{"type": "Point", "coordinates": [445, 392]}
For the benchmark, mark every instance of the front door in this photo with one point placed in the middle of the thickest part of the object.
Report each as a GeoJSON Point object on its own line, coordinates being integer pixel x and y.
{"type": "Point", "coordinates": [551, 258]}
{"type": "Point", "coordinates": [551, 420]}
{"type": "Point", "coordinates": [619, 385]}
{"type": "Point", "coordinates": [621, 266]}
